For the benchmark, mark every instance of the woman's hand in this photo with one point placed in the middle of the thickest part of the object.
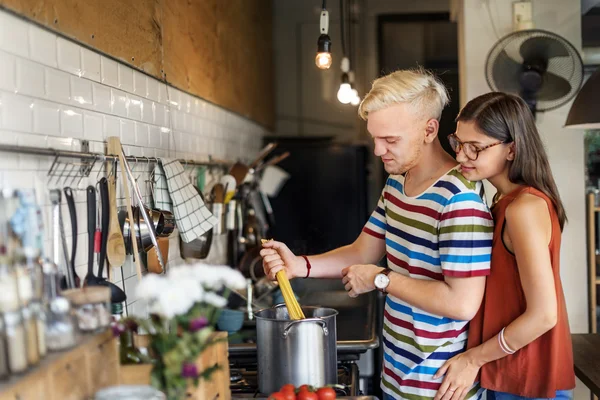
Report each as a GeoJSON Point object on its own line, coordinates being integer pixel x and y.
{"type": "Point", "coordinates": [460, 372]}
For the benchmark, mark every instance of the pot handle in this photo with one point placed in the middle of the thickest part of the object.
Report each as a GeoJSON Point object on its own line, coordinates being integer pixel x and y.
{"type": "Point", "coordinates": [319, 321]}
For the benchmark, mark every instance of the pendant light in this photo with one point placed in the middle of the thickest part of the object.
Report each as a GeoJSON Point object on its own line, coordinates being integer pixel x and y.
{"type": "Point", "coordinates": [323, 59]}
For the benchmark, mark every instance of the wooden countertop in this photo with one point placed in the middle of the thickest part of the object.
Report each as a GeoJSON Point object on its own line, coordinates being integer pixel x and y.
{"type": "Point", "coordinates": [586, 359]}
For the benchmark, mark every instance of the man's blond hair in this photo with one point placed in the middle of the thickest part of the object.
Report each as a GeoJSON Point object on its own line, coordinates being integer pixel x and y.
{"type": "Point", "coordinates": [419, 88]}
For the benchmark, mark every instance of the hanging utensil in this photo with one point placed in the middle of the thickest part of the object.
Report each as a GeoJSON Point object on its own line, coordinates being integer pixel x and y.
{"type": "Point", "coordinates": [59, 233]}
{"type": "Point", "coordinates": [93, 238]}
{"type": "Point", "coordinates": [117, 295]}
{"type": "Point", "coordinates": [76, 282]}
{"type": "Point", "coordinates": [140, 201]}
{"type": "Point", "coordinates": [114, 148]}
{"type": "Point", "coordinates": [116, 244]}
{"type": "Point", "coordinates": [263, 153]}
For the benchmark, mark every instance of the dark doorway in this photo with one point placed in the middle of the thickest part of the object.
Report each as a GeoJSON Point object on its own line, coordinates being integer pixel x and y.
{"type": "Point", "coordinates": [427, 40]}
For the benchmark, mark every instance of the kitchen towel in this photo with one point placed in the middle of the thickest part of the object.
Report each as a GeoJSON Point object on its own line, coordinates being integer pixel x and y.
{"type": "Point", "coordinates": [192, 216]}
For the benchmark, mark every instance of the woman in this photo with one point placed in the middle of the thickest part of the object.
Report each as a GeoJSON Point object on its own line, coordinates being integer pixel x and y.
{"type": "Point", "coordinates": [519, 342]}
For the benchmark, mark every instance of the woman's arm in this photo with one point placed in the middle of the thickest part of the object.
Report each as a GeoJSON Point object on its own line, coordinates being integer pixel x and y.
{"type": "Point", "coordinates": [529, 230]}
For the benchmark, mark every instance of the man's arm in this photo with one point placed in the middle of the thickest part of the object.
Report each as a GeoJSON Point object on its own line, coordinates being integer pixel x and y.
{"type": "Point", "coordinates": [369, 247]}
{"type": "Point", "coordinates": [464, 241]}
{"type": "Point", "coordinates": [365, 249]}
{"type": "Point", "coordinates": [456, 298]}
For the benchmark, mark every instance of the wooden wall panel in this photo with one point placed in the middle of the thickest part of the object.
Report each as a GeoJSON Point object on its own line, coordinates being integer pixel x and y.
{"type": "Point", "coordinates": [219, 50]}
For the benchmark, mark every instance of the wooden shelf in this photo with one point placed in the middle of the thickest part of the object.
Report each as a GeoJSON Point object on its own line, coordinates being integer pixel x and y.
{"type": "Point", "coordinates": [59, 372]}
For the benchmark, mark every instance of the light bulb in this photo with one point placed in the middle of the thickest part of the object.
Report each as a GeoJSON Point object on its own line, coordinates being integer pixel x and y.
{"type": "Point", "coordinates": [323, 60]}
{"type": "Point", "coordinates": [355, 98]}
{"type": "Point", "coordinates": [344, 94]}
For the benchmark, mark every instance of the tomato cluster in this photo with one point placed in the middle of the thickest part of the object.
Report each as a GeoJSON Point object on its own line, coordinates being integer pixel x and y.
{"type": "Point", "coordinates": [304, 392]}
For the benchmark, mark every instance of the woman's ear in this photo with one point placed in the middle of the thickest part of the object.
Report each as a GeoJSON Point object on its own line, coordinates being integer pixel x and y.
{"type": "Point", "coordinates": [511, 152]}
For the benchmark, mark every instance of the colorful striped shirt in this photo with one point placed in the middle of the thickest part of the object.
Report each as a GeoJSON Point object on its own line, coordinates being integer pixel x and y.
{"type": "Point", "coordinates": [445, 231]}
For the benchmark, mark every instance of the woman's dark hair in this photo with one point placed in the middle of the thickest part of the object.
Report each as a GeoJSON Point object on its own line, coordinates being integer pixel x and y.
{"type": "Point", "coordinates": [507, 118]}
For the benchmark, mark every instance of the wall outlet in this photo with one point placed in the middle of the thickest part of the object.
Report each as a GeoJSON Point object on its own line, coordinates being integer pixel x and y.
{"type": "Point", "coordinates": [522, 15]}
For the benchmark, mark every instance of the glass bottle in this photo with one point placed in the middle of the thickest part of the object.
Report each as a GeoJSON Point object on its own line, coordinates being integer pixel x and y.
{"type": "Point", "coordinates": [128, 353]}
{"type": "Point", "coordinates": [16, 342]}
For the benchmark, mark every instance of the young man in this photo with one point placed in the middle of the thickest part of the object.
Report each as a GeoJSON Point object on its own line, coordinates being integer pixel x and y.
{"type": "Point", "coordinates": [430, 223]}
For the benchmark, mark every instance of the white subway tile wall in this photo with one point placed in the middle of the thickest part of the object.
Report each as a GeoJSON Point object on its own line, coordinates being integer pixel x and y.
{"type": "Point", "coordinates": [55, 93]}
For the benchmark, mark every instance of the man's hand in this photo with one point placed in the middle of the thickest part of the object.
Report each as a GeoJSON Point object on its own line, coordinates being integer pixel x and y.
{"type": "Point", "coordinates": [277, 256]}
{"type": "Point", "coordinates": [360, 279]}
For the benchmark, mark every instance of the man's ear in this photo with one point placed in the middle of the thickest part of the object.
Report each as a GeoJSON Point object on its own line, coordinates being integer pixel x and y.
{"type": "Point", "coordinates": [431, 130]}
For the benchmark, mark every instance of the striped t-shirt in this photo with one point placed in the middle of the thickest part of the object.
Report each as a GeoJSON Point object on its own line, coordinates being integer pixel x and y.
{"type": "Point", "coordinates": [445, 231]}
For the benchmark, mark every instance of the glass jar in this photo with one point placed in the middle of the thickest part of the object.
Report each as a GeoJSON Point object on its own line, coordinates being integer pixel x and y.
{"type": "Point", "coordinates": [61, 333]}
{"type": "Point", "coordinates": [16, 342]}
{"type": "Point", "coordinates": [39, 314]}
{"type": "Point", "coordinates": [129, 392]}
{"type": "Point", "coordinates": [30, 324]}
{"type": "Point", "coordinates": [91, 307]}
{"type": "Point", "coordinates": [9, 297]}
{"type": "Point", "coordinates": [4, 371]}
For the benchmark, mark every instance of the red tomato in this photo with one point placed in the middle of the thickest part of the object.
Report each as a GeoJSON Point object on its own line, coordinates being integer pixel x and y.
{"type": "Point", "coordinates": [306, 395]}
{"type": "Point", "coordinates": [277, 396]}
{"type": "Point", "coordinates": [288, 395]}
{"type": "Point", "coordinates": [288, 388]}
{"type": "Point", "coordinates": [304, 388]}
{"type": "Point", "coordinates": [326, 393]}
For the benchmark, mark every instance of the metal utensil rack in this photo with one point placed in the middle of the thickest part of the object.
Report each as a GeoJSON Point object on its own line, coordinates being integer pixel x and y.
{"type": "Point", "coordinates": [84, 161]}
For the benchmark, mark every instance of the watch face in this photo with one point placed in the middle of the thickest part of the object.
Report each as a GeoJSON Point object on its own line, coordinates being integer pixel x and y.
{"type": "Point", "coordinates": [381, 281]}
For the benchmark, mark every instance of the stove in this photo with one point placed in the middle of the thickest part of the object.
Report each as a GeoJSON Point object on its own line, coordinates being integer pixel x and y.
{"type": "Point", "coordinates": [244, 380]}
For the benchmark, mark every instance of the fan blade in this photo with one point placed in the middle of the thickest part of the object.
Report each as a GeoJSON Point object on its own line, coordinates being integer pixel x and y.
{"type": "Point", "coordinates": [553, 88]}
{"type": "Point", "coordinates": [505, 73]}
{"type": "Point", "coordinates": [542, 48]}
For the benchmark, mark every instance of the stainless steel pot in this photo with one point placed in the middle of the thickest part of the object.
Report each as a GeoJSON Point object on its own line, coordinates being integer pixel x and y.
{"type": "Point", "coordinates": [301, 352]}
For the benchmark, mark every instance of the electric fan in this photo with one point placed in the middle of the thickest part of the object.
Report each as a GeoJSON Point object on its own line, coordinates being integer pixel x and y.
{"type": "Point", "coordinates": [540, 66]}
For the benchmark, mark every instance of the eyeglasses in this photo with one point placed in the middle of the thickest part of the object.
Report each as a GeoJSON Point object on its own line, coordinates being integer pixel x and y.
{"type": "Point", "coordinates": [471, 151]}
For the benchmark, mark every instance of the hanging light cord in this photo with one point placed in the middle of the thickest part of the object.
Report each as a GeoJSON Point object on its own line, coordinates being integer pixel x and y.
{"type": "Point", "coordinates": [342, 18]}
{"type": "Point", "coordinates": [324, 4]}
{"type": "Point", "coordinates": [350, 34]}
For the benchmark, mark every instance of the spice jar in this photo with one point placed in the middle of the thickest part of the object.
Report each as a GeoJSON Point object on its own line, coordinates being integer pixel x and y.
{"type": "Point", "coordinates": [61, 333]}
{"type": "Point", "coordinates": [91, 307]}
{"type": "Point", "coordinates": [16, 342]}
{"type": "Point", "coordinates": [4, 371]}
{"type": "Point", "coordinates": [39, 314]}
{"type": "Point", "coordinates": [9, 298]}
{"type": "Point", "coordinates": [30, 324]}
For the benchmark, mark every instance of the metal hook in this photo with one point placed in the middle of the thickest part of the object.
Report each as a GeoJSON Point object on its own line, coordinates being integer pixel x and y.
{"type": "Point", "coordinates": [68, 175]}
{"type": "Point", "coordinates": [100, 169]}
{"type": "Point", "coordinates": [60, 174]}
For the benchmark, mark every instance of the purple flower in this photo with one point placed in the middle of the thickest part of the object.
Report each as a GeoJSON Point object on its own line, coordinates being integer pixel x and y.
{"type": "Point", "coordinates": [117, 329]}
{"type": "Point", "coordinates": [131, 325]}
{"type": "Point", "coordinates": [189, 370]}
{"type": "Point", "coordinates": [198, 323]}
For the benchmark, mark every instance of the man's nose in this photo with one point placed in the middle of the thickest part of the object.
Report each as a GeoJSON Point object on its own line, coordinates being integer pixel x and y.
{"type": "Point", "coordinates": [379, 150]}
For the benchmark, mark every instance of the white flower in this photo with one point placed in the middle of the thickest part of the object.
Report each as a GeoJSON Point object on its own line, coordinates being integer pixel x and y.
{"type": "Point", "coordinates": [215, 300]}
{"type": "Point", "coordinates": [182, 272]}
{"type": "Point", "coordinates": [151, 286]}
{"type": "Point", "coordinates": [171, 302]}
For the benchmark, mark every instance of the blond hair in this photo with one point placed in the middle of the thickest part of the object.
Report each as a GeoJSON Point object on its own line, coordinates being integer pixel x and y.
{"type": "Point", "coordinates": [417, 87]}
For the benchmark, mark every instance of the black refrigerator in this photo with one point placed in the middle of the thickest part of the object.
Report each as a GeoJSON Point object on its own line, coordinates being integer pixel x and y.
{"type": "Point", "coordinates": [323, 205]}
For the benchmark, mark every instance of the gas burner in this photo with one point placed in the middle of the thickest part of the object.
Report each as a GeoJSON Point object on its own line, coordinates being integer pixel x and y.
{"type": "Point", "coordinates": [234, 376]}
{"type": "Point", "coordinates": [244, 380]}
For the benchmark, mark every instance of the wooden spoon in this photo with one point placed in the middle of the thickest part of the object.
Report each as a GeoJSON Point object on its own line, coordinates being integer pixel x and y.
{"type": "Point", "coordinates": [115, 247]}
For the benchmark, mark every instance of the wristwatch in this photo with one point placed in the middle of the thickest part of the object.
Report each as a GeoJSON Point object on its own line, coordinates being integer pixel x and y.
{"type": "Point", "coordinates": [382, 280]}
